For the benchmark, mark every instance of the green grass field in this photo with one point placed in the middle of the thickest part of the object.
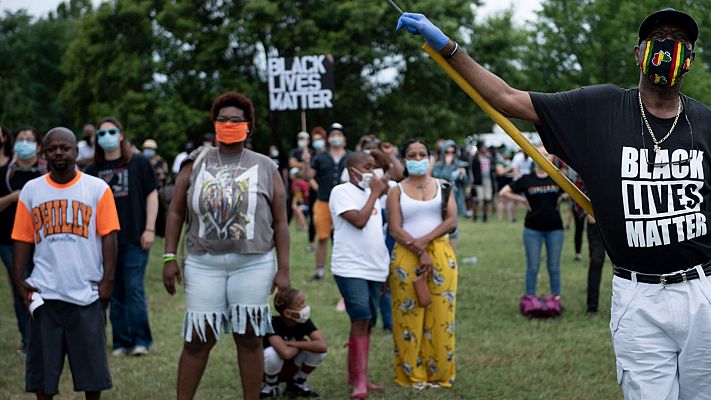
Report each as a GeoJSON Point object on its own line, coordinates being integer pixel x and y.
{"type": "Point", "coordinates": [500, 354]}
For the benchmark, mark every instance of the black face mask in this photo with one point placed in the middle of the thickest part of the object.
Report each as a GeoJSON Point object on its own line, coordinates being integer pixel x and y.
{"type": "Point", "coordinates": [665, 61]}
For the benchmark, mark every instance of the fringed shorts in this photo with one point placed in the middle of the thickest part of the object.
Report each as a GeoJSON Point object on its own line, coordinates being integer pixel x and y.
{"type": "Point", "coordinates": [225, 292]}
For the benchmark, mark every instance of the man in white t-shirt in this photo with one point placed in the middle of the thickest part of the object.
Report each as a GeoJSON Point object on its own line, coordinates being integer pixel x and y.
{"type": "Point", "coordinates": [360, 260]}
{"type": "Point", "coordinates": [66, 222]}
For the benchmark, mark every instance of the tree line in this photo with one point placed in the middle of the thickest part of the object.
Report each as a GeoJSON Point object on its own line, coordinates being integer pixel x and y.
{"type": "Point", "coordinates": [158, 64]}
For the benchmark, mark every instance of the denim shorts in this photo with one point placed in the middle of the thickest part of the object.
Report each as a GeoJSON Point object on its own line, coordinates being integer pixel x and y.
{"type": "Point", "coordinates": [225, 291]}
{"type": "Point", "coordinates": [362, 297]}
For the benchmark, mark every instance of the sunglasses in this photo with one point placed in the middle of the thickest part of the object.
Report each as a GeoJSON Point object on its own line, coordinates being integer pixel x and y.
{"type": "Point", "coordinates": [234, 120]}
{"type": "Point", "coordinates": [112, 131]}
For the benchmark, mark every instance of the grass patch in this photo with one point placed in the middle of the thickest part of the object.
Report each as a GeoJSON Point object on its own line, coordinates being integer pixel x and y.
{"type": "Point", "coordinates": [500, 354]}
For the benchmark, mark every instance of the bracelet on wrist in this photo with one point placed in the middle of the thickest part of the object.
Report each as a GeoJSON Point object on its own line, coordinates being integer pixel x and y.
{"type": "Point", "coordinates": [150, 230]}
{"type": "Point", "coordinates": [167, 259]}
{"type": "Point", "coordinates": [453, 52]}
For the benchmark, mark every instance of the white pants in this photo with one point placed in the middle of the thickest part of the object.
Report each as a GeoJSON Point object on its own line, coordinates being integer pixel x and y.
{"type": "Point", "coordinates": [662, 338]}
{"type": "Point", "coordinates": [273, 363]}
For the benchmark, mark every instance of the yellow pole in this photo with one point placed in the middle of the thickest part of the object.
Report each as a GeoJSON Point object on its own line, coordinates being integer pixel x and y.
{"type": "Point", "coordinates": [513, 132]}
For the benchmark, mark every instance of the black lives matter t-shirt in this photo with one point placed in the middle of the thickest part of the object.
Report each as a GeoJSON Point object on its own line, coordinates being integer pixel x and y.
{"type": "Point", "coordinates": [131, 183]}
{"type": "Point", "coordinates": [298, 332]}
{"type": "Point", "coordinates": [542, 195]}
{"type": "Point", "coordinates": [653, 219]}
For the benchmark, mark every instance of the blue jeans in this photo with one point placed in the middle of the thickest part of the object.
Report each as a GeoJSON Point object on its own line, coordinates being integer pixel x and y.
{"type": "Point", "coordinates": [20, 314]}
{"type": "Point", "coordinates": [129, 309]}
{"type": "Point", "coordinates": [532, 241]}
{"type": "Point", "coordinates": [362, 298]}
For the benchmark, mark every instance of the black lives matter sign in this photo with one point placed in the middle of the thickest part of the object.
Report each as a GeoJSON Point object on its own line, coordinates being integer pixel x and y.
{"type": "Point", "coordinates": [300, 83]}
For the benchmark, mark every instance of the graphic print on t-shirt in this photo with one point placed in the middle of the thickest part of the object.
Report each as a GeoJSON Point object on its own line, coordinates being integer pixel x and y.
{"type": "Point", "coordinates": [662, 203]}
{"type": "Point", "coordinates": [117, 179]}
{"type": "Point", "coordinates": [227, 202]}
{"type": "Point", "coordinates": [61, 217]}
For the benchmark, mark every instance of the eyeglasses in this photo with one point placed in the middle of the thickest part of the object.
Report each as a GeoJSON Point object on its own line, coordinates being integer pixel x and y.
{"type": "Point", "coordinates": [683, 161]}
{"type": "Point", "coordinates": [112, 131]}
{"type": "Point", "coordinates": [234, 120]}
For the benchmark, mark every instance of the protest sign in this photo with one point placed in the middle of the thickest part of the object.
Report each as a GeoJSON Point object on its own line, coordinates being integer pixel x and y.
{"type": "Point", "coordinates": [300, 83]}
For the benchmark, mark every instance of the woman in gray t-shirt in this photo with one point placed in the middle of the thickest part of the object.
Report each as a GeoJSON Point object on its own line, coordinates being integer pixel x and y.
{"type": "Point", "coordinates": [236, 207]}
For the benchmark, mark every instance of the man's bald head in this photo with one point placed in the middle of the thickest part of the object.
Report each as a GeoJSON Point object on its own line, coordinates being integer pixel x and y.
{"type": "Point", "coordinates": [60, 132]}
{"type": "Point", "coordinates": [60, 149]}
{"type": "Point", "coordinates": [356, 158]}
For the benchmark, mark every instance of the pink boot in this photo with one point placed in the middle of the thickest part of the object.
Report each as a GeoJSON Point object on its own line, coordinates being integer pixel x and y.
{"type": "Point", "coordinates": [358, 366]}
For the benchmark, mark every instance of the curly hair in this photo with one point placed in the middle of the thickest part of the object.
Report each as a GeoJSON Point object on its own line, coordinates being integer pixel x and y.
{"type": "Point", "coordinates": [234, 99]}
{"type": "Point", "coordinates": [288, 299]}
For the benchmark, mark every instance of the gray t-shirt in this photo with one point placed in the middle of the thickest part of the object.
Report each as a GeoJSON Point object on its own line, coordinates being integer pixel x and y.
{"type": "Point", "coordinates": [229, 203]}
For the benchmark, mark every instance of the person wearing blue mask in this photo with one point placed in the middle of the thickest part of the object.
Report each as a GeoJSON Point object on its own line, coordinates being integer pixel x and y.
{"type": "Point", "coordinates": [326, 169]}
{"type": "Point", "coordinates": [134, 185]}
{"type": "Point", "coordinates": [26, 166]}
{"type": "Point", "coordinates": [648, 183]}
{"type": "Point", "coordinates": [419, 219]}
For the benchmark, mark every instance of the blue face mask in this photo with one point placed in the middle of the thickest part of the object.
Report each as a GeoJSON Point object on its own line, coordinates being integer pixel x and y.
{"type": "Point", "coordinates": [417, 167]}
{"type": "Point", "coordinates": [337, 142]}
{"type": "Point", "coordinates": [109, 142]}
{"type": "Point", "coordinates": [149, 153]}
{"type": "Point", "coordinates": [318, 144]}
{"type": "Point", "coordinates": [25, 149]}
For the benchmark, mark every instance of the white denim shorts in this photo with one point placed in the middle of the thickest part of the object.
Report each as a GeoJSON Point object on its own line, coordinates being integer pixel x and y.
{"type": "Point", "coordinates": [225, 291]}
{"type": "Point", "coordinates": [662, 338]}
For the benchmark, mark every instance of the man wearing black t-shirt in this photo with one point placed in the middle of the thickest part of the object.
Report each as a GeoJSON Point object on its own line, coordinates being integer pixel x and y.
{"type": "Point", "coordinates": [648, 187]}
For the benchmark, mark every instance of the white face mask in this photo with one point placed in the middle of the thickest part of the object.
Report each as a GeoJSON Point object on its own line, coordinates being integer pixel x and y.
{"type": "Point", "coordinates": [378, 172]}
{"type": "Point", "coordinates": [365, 179]}
{"type": "Point", "coordinates": [303, 315]}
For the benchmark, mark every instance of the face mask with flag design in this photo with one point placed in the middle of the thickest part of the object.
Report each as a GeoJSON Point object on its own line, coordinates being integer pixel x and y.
{"type": "Point", "coordinates": [665, 61]}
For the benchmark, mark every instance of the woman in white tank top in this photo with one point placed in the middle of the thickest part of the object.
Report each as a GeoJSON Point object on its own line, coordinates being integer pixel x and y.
{"type": "Point", "coordinates": [424, 336]}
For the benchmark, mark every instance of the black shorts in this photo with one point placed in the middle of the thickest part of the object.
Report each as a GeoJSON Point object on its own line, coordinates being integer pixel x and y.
{"type": "Point", "coordinates": [58, 329]}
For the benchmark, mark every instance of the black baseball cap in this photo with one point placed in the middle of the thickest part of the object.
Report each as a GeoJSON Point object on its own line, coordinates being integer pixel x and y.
{"type": "Point", "coordinates": [669, 16]}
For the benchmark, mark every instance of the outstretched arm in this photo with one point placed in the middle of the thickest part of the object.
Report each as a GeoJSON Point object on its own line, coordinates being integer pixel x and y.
{"type": "Point", "coordinates": [511, 102]}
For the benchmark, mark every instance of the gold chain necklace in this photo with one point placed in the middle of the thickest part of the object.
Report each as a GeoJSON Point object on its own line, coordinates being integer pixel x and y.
{"type": "Point", "coordinates": [649, 128]}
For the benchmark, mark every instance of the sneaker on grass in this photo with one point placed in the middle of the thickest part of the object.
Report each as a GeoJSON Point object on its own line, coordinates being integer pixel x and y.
{"type": "Point", "coordinates": [139, 351]}
{"type": "Point", "coordinates": [300, 389]}
{"type": "Point", "coordinates": [269, 392]}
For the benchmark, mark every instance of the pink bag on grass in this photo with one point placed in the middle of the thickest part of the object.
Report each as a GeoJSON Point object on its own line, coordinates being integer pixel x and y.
{"type": "Point", "coordinates": [540, 307]}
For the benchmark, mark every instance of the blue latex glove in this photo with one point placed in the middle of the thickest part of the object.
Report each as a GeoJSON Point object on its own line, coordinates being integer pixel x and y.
{"type": "Point", "coordinates": [418, 24]}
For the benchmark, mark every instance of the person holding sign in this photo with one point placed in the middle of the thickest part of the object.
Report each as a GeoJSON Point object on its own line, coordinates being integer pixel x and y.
{"type": "Point", "coordinates": [650, 186]}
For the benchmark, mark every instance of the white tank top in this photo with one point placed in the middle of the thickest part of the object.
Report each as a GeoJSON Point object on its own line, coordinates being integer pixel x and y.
{"type": "Point", "coordinates": [420, 217]}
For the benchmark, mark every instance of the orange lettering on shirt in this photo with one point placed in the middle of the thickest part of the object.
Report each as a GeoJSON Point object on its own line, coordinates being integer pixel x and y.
{"type": "Point", "coordinates": [55, 216]}
{"type": "Point", "coordinates": [47, 219]}
{"type": "Point", "coordinates": [85, 219]}
{"type": "Point", "coordinates": [77, 229]}
{"type": "Point", "coordinates": [63, 220]}
{"type": "Point", "coordinates": [37, 223]}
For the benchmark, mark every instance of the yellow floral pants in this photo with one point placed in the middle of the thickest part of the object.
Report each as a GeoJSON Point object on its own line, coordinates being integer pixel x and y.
{"type": "Point", "coordinates": [424, 336]}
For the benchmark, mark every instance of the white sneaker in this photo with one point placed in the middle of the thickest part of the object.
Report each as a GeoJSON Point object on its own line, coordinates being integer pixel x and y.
{"type": "Point", "coordinates": [119, 352]}
{"type": "Point", "coordinates": [139, 351]}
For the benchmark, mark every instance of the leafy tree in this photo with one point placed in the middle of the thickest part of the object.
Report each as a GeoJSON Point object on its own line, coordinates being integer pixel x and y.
{"type": "Point", "coordinates": [31, 79]}
{"type": "Point", "coordinates": [577, 43]}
